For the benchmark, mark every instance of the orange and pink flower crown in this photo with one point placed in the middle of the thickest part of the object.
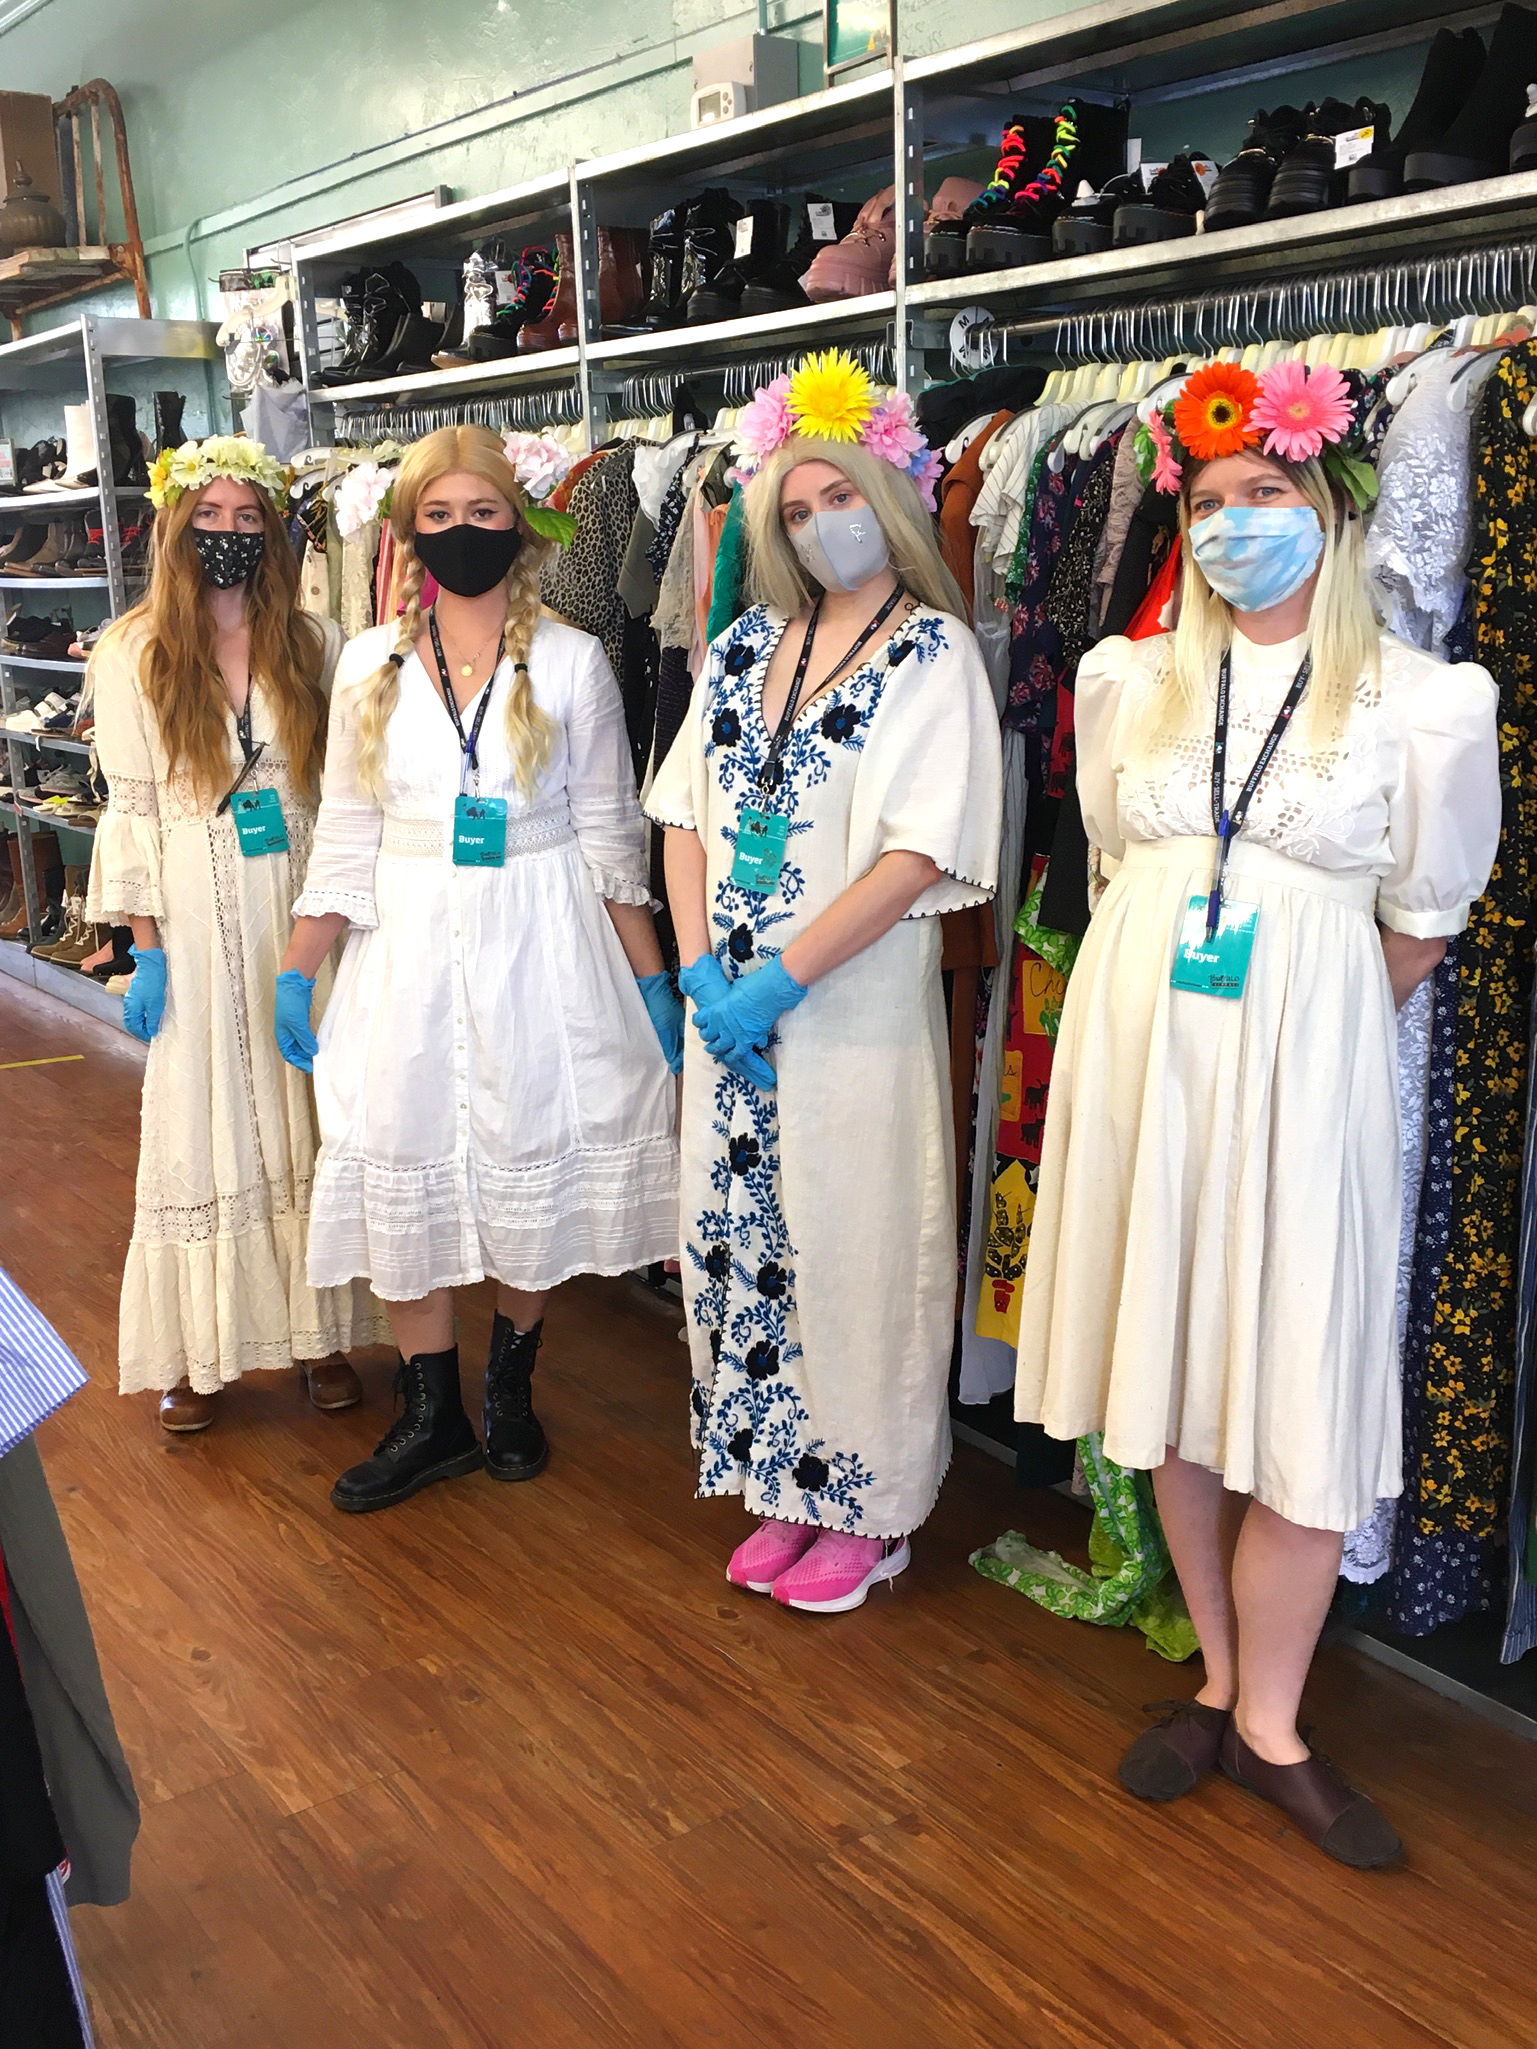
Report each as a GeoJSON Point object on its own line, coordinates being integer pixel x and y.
{"type": "Point", "coordinates": [829, 397]}
{"type": "Point", "coordinates": [1288, 411]}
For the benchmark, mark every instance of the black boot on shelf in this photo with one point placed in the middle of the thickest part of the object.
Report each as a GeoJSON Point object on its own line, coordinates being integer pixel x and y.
{"type": "Point", "coordinates": [1088, 226]}
{"type": "Point", "coordinates": [1476, 143]}
{"type": "Point", "coordinates": [128, 465]}
{"type": "Point", "coordinates": [664, 293]}
{"type": "Point", "coordinates": [709, 244]}
{"type": "Point", "coordinates": [516, 1447]}
{"type": "Point", "coordinates": [169, 406]}
{"type": "Point", "coordinates": [1308, 180]}
{"type": "Point", "coordinates": [1523, 144]}
{"type": "Point", "coordinates": [1242, 190]}
{"type": "Point", "coordinates": [946, 250]}
{"type": "Point", "coordinates": [758, 250]}
{"type": "Point", "coordinates": [122, 961]}
{"type": "Point", "coordinates": [1451, 72]}
{"type": "Point", "coordinates": [354, 323]}
{"type": "Point", "coordinates": [775, 285]}
{"type": "Point", "coordinates": [432, 1439]}
{"type": "Point", "coordinates": [1087, 141]}
{"type": "Point", "coordinates": [1169, 207]}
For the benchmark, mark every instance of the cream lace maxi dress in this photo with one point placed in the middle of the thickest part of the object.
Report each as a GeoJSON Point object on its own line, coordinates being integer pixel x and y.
{"type": "Point", "coordinates": [819, 1263]}
{"type": "Point", "coordinates": [491, 1093]}
{"type": "Point", "coordinates": [1214, 1250]}
{"type": "Point", "coordinates": [215, 1284]}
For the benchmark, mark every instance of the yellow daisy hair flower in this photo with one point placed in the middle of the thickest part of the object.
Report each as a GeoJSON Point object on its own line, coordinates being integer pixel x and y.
{"type": "Point", "coordinates": [830, 397]}
{"type": "Point", "coordinates": [195, 464]}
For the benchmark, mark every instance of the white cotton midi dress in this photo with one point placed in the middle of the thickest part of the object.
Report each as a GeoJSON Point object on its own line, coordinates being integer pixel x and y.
{"type": "Point", "coordinates": [214, 1285]}
{"type": "Point", "coordinates": [492, 1096]}
{"type": "Point", "coordinates": [1214, 1249]}
{"type": "Point", "coordinates": [819, 1262]}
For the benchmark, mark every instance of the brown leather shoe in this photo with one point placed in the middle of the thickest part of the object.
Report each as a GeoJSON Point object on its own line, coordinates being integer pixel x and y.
{"type": "Point", "coordinates": [1343, 1823]}
{"type": "Point", "coordinates": [330, 1383]}
{"type": "Point", "coordinates": [1173, 1756]}
{"type": "Point", "coordinates": [183, 1412]}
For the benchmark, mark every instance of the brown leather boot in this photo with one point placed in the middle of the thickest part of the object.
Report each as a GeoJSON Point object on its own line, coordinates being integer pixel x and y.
{"type": "Point", "coordinates": [330, 1383]}
{"type": "Point", "coordinates": [182, 1412]}
{"type": "Point", "coordinates": [13, 912]}
{"type": "Point", "coordinates": [547, 333]}
{"type": "Point", "coordinates": [621, 283]}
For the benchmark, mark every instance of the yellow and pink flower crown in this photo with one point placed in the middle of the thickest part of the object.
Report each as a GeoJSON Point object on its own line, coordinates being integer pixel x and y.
{"type": "Point", "coordinates": [1288, 411]}
{"type": "Point", "coordinates": [196, 463]}
{"type": "Point", "coordinates": [829, 397]}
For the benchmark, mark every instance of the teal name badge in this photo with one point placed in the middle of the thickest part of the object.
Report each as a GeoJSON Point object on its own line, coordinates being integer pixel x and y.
{"type": "Point", "coordinates": [760, 851]}
{"type": "Point", "coordinates": [480, 832]}
{"type": "Point", "coordinates": [1218, 966]}
{"type": "Point", "coordinates": [259, 822]}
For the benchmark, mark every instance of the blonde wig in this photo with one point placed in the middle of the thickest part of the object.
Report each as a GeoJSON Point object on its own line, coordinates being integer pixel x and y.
{"type": "Point", "coordinates": [179, 671]}
{"type": "Point", "coordinates": [775, 574]}
{"type": "Point", "coordinates": [530, 732]}
{"type": "Point", "coordinates": [1342, 629]}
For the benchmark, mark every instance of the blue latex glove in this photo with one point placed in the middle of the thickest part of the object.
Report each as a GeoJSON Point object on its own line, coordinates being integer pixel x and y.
{"type": "Point", "coordinates": [144, 998]}
{"type": "Point", "coordinates": [705, 984]}
{"type": "Point", "coordinates": [291, 1019]}
{"type": "Point", "coordinates": [666, 1008]}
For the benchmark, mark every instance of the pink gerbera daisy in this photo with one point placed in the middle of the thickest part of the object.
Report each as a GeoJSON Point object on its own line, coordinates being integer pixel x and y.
{"type": "Point", "coordinates": [1298, 410]}
{"type": "Point", "coordinates": [1166, 470]}
{"type": "Point", "coordinates": [891, 433]}
{"type": "Point", "coordinates": [765, 421]}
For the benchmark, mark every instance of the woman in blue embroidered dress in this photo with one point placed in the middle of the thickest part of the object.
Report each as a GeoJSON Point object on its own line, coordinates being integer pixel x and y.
{"type": "Point", "coordinates": [836, 785]}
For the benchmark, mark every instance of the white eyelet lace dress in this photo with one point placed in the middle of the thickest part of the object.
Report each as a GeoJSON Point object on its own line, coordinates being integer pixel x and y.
{"type": "Point", "coordinates": [214, 1284]}
{"type": "Point", "coordinates": [819, 1262]}
{"type": "Point", "coordinates": [1214, 1251]}
{"type": "Point", "coordinates": [491, 1093]}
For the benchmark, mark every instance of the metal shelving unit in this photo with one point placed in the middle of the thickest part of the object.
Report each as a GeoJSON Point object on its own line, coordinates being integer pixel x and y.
{"type": "Point", "coordinates": [74, 361]}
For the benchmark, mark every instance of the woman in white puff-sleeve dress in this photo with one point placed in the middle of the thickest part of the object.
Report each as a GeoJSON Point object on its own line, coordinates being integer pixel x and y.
{"type": "Point", "coordinates": [492, 1094]}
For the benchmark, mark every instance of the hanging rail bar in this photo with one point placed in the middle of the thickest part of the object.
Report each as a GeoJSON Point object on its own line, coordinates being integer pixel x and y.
{"type": "Point", "coordinates": [408, 420]}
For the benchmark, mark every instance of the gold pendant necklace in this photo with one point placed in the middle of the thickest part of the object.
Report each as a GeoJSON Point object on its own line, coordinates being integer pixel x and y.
{"type": "Point", "coordinates": [467, 669]}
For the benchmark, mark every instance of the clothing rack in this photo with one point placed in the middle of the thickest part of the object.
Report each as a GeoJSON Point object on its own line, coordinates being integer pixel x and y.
{"type": "Point", "coordinates": [407, 420]}
{"type": "Point", "coordinates": [1467, 282]}
{"type": "Point", "coordinates": [741, 379]}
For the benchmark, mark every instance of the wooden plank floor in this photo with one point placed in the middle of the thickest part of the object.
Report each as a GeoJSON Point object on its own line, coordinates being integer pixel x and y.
{"type": "Point", "coordinates": [512, 1766]}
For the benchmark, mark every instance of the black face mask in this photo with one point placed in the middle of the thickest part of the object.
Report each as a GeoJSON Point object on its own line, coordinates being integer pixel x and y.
{"type": "Point", "coordinates": [228, 559]}
{"type": "Point", "coordinates": [468, 560]}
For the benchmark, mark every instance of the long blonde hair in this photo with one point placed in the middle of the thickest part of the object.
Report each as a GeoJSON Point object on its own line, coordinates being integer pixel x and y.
{"type": "Point", "coordinates": [178, 667]}
{"type": "Point", "coordinates": [530, 731]}
{"type": "Point", "coordinates": [1342, 629]}
{"type": "Point", "coordinates": [775, 573]}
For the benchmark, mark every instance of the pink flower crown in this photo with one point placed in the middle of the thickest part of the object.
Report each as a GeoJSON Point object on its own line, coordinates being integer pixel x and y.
{"type": "Point", "coordinates": [1288, 411]}
{"type": "Point", "coordinates": [829, 397]}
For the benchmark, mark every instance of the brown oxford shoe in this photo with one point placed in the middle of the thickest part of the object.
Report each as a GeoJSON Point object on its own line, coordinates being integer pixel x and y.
{"type": "Point", "coordinates": [183, 1412]}
{"type": "Point", "coordinates": [330, 1383]}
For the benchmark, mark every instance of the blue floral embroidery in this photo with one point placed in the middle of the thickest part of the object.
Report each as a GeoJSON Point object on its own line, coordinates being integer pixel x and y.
{"type": "Point", "coordinates": [750, 1422]}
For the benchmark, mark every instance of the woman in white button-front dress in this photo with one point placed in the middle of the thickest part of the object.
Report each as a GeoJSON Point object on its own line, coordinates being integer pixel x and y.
{"type": "Point", "coordinates": [492, 1073]}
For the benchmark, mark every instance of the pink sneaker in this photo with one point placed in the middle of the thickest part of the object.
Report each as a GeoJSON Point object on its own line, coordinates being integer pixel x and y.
{"type": "Point", "coordinates": [772, 1549]}
{"type": "Point", "coordinates": [838, 1571]}
{"type": "Point", "coordinates": [861, 262]}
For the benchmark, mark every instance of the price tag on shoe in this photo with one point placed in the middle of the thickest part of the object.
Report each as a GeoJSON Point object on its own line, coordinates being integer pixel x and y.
{"type": "Point", "coordinates": [744, 228]}
{"type": "Point", "coordinates": [1351, 146]}
{"type": "Point", "coordinates": [1206, 171]}
{"type": "Point", "coordinates": [823, 226]}
{"type": "Point", "coordinates": [1149, 172]}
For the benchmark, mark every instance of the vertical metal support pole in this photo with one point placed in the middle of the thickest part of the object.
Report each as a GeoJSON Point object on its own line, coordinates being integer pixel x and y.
{"type": "Point", "coordinates": [907, 103]}
{"type": "Point", "coordinates": [589, 312]}
{"type": "Point", "coordinates": [101, 435]}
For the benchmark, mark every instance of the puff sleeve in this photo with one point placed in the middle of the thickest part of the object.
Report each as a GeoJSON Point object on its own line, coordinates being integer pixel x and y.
{"type": "Point", "coordinates": [931, 777]}
{"type": "Point", "coordinates": [600, 782]}
{"type": "Point", "coordinates": [350, 823]}
{"type": "Point", "coordinates": [1100, 690]}
{"type": "Point", "coordinates": [1444, 809]}
{"type": "Point", "coordinates": [678, 789]}
{"type": "Point", "coordinates": [125, 861]}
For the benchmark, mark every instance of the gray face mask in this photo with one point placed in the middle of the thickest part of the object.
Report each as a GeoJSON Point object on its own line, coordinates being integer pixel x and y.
{"type": "Point", "coordinates": [842, 550]}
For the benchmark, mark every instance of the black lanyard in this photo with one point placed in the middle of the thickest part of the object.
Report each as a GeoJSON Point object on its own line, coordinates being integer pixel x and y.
{"type": "Point", "coordinates": [1228, 824]}
{"type": "Point", "coordinates": [768, 775]}
{"type": "Point", "coordinates": [470, 742]}
{"type": "Point", "coordinates": [252, 754]}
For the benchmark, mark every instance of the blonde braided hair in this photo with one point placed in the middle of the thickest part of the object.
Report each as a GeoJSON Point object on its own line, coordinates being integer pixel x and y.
{"type": "Point", "coordinates": [530, 731]}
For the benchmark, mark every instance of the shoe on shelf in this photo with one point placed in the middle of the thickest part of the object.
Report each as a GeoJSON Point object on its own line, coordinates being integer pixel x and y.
{"type": "Point", "coordinates": [664, 251]}
{"type": "Point", "coordinates": [516, 1446]}
{"type": "Point", "coordinates": [774, 285]}
{"type": "Point", "coordinates": [709, 250]}
{"type": "Point", "coordinates": [119, 962]}
{"type": "Point", "coordinates": [182, 1412]}
{"type": "Point", "coordinates": [75, 939]}
{"type": "Point", "coordinates": [944, 236]}
{"type": "Point", "coordinates": [1170, 1759]}
{"type": "Point", "coordinates": [1242, 190]}
{"type": "Point", "coordinates": [1173, 200]}
{"type": "Point", "coordinates": [1338, 1820]}
{"type": "Point", "coordinates": [1308, 180]}
{"type": "Point", "coordinates": [13, 912]}
{"type": "Point", "coordinates": [1451, 72]}
{"type": "Point", "coordinates": [861, 262]}
{"type": "Point", "coordinates": [1019, 231]}
{"type": "Point", "coordinates": [330, 1383]}
{"type": "Point", "coordinates": [838, 1571]}
{"type": "Point", "coordinates": [758, 246]}
{"type": "Point", "coordinates": [989, 205]}
{"type": "Point", "coordinates": [621, 283]}
{"type": "Point", "coordinates": [169, 406]}
{"type": "Point", "coordinates": [1476, 142]}
{"type": "Point", "coordinates": [432, 1439]}
{"type": "Point", "coordinates": [1088, 226]}
{"type": "Point", "coordinates": [23, 544]}
{"type": "Point", "coordinates": [771, 1550]}
{"type": "Point", "coordinates": [533, 294]}
{"type": "Point", "coordinates": [553, 289]}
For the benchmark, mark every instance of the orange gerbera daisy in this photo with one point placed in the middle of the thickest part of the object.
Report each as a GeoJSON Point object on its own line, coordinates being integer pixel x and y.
{"type": "Point", "coordinates": [1211, 414]}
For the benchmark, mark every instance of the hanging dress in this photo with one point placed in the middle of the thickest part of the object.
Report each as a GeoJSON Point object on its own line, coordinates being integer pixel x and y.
{"type": "Point", "coordinates": [819, 1264]}
{"type": "Point", "coordinates": [214, 1284]}
{"type": "Point", "coordinates": [1214, 1248]}
{"type": "Point", "coordinates": [492, 1097]}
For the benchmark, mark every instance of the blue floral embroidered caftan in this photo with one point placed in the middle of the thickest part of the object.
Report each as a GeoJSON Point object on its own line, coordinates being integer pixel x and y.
{"type": "Point", "coordinates": [819, 1260]}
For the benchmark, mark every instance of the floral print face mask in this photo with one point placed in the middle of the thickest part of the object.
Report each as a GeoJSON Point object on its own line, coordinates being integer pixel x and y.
{"type": "Point", "coordinates": [228, 559]}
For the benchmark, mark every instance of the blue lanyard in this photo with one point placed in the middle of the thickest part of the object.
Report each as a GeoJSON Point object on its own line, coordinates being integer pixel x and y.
{"type": "Point", "coordinates": [469, 743]}
{"type": "Point", "coordinates": [1228, 824]}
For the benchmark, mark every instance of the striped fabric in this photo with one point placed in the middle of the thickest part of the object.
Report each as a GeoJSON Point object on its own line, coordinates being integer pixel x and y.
{"type": "Point", "coordinates": [37, 1373]}
{"type": "Point", "coordinates": [67, 1944]}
